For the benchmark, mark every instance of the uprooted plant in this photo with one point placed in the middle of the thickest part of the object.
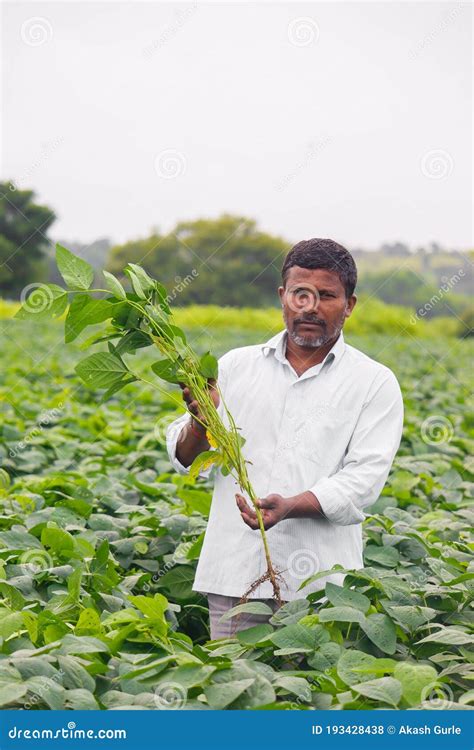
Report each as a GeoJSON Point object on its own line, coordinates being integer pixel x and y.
{"type": "Point", "coordinates": [138, 319]}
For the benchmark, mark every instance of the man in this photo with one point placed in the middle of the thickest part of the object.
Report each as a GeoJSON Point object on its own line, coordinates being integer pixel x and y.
{"type": "Point", "coordinates": [322, 423]}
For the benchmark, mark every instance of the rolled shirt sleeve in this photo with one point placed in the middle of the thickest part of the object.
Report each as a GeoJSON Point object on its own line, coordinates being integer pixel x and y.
{"type": "Point", "coordinates": [174, 429]}
{"type": "Point", "coordinates": [369, 457]}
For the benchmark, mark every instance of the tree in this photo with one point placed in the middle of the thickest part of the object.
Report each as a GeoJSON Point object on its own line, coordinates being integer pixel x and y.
{"type": "Point", "coordinates": [23, 238]}
{"type": "Point", "coordinates": [223, 261]}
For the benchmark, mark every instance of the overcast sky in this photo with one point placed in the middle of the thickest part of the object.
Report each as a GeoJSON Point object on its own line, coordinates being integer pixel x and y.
{"type": "Point", "coordinates": [343, 120]}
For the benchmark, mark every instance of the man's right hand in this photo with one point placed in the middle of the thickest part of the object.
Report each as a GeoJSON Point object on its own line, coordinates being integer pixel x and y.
{"type": "Point", "coordinates": [193, 406]}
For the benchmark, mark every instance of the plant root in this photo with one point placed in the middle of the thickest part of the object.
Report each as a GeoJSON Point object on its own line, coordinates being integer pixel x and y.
{"type": "Point", "coordinates": [276, 579]}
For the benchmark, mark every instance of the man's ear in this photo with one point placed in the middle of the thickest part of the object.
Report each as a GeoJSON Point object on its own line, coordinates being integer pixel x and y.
{"type": "Point", "coordinates": [350, 304]}
{"type": "Point", "coordinates": [281, 293]}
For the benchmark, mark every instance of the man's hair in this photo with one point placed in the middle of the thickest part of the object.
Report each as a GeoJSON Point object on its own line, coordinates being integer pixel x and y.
{"type": "Point", "coordinates": [317, 253]}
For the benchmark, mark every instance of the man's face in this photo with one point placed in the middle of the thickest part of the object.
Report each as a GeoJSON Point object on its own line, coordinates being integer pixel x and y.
{"type": "Point", "coordinates": [314, 306]}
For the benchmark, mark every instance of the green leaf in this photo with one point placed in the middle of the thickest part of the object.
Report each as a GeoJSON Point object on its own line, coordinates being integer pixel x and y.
{"type": "Point", "coordinates": [44, 301]}
{"type": "Point", "coordinates": [296, 685]}
{"type": "Point", "coordinates": [80, 699]}
{"type": "Point", "coordinates": [178, 581]}
{"type": "Point", "coordinates": [142, 284]}
{"type": "Point", "coordinates": [85, 311]}
{"type": "Point", "coordinates": [101, 370]}
{"type": "Point", "coordinates": [196, 501]}
{"type": "Point", "coordinates": [414, 678]}
{"type": "Point", "coordinates": [88, 623]}
{"type": "Point", "coordinates": [341, 614]}
{"type": "Point", "coordinates": [322, 574]}
{"type": "Point", "coordinates": [203, 461]}
{"type": "Point", "coordinates": [411, 616]}
{"type": "Point", "coordinates": [385, 690]}
{"type": "Point", "coordinates": [83, 644]}
{"type": "Point", "coordinates": [208, 366]}
{"type": "Point", "coordinates": [153, 608]}
{"type": "Point", "coordinates": [191, 675]}
{"type": "Point", "coordinates": [340, 596]}
{"type": "Point", "coordinates": [221, 695]}
{"type": "Point", "coordinates": [10, 623]}
{"type": "Point", "coordinates": [291, 612]}
{"type": "Point", "coordinates": [300, 638]}
{"type": "Point", "coordinates": [260, 693]}
{"type": "Point", "coordinates": [354, 666]}
{"type": "Point", "coordinates": [146, 281]}
{"type": "Point", "coordinates": [60, 541]}
{"type": "Point", "coordinates": [74, 584]}
{"type": "Point", "coordinates": [162, 296]}
{"type": "Point", "coordinates": [325, 657]}
{"type": "Point", "coordinates": [252, 608]}
{"type": "Point", "coordinates": [11, 692]}
{"type": "Point", "coordinates": [19, 540]}
{"type": "Point", "coordinates": [114, 285]}
{"type": "Point", "coordinates": [381, 631]}
{"type": "Point", "coordinates": [77, 273]}
{"type": "Point", "coordinates": [194, 550]}
{"type": "Point", "coordinates": [48, 691]}
{"type": "Point", "coordinates": [117, 387]}
{"type": "Point", "coordinates": [74, 674]}
{"type": "Point", "coordinates": [132, 341]}
{"type": "Point", "coordinates": [449, 636]}
{"type": "Point", "coordinates": [254, 635]}
{"type": "Point", "coordinates": [388, 557]}
{"type": "Point", "coordinates": [167, 370]}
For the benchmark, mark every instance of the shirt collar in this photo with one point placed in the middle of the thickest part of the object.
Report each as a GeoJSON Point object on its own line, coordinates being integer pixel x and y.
{"type": "Point", "coordinates": [277, 344]}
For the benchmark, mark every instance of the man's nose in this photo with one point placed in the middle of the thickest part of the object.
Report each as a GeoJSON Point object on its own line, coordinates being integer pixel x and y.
{"type": "Point", "coordinates": [312, 302]}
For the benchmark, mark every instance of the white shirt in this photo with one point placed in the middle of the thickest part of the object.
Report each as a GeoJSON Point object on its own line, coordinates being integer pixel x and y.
{"type": "Point", "coordinates": [333, 430]}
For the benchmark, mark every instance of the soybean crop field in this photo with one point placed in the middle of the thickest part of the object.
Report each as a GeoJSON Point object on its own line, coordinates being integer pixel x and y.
{"type": "Point", "coordinates": [99, 540]}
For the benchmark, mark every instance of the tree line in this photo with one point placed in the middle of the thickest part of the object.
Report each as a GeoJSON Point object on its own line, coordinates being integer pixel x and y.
{"type": "Point", "coordinates": [227, 261]}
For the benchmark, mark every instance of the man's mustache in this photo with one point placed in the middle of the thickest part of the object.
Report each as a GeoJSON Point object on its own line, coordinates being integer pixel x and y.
{"type": "Point", "coordinates": [309, 320]}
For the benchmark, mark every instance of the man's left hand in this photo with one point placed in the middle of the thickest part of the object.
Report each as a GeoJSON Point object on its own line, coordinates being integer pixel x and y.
{"type": "Point", "coordinates": [274, 508]}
